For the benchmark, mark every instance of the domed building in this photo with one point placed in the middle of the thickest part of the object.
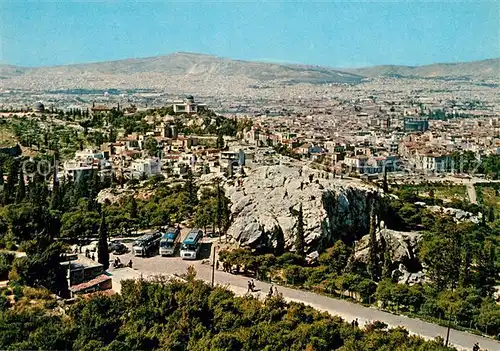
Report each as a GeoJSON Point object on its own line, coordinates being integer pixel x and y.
{"type": "Point", "coordinates": [188, 105]}
{"type": "Point", "coordinates": [39, 107]}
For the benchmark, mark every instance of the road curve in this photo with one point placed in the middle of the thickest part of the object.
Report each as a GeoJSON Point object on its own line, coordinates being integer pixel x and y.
{"type": "Point", "coordinates": [347, 310]}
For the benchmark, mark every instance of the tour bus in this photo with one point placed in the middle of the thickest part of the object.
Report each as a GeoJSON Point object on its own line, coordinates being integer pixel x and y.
{"type": "Point", "coordinates": [167, 242]}
{"type": "Point", "coordinates": [146, 244]}
{"type": "Point", "coordinates": [190, 248]}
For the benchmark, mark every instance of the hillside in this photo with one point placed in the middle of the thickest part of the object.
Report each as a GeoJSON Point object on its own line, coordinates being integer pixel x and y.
{"type": "Point", "coordinates": [485, 69]}
{"type": "Point", "coordinates": [188, 70]}
{"type": "Point", "coordinates": [154, 71]}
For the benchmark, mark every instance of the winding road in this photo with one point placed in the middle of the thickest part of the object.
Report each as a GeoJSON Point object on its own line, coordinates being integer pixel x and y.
{"type": "Point", "coordinates": [349, 311]}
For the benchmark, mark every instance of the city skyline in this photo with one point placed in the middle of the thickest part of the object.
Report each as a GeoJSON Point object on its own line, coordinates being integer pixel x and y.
{"type": "Point", "coordinates": [39, 33]}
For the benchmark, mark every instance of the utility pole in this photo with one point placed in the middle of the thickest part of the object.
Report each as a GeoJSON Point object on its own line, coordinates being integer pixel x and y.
{"type": "Point", "coordinates": [448, 330]}
{"type": "Point", "coordinates": [213, 266]}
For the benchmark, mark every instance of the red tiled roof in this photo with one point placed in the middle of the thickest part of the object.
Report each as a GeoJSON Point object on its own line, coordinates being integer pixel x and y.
{"type": "Point", "coordinates": [98, 280]}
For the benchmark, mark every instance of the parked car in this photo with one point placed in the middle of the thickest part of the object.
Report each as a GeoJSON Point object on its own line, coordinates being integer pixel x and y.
{"type": "Point", "coordinates": [121, 250]}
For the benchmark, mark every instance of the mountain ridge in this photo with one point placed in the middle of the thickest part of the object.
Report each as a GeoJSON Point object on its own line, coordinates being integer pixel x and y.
{"type": "Point", "coordinates": [205, 68]}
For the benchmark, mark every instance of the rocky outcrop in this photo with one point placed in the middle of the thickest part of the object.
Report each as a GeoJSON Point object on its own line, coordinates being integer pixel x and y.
{"type": "Point", "coordinates": [457, 214]}
{"type": "Point", "coordinates": [400, 246]}
{"type": "Point", "coordinates": [269, 197]}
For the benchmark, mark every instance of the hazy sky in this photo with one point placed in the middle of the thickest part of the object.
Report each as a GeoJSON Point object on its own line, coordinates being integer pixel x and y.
{"type": "Point", "coordinates": [339, 34]}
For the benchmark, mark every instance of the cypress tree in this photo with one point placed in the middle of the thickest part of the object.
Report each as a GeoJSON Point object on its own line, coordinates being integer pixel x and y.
{"type": "Point", "coordinates": [280, 241]}
{"type": "Point", "coordinates": [21, 187]}
{"type": "Point", "coordinates": [373, 266]}
{"type": "Point", "coordinates": [299, 237]}
{"type": "Point", "coordinates": [190, 188]}
{"type": "Point", "coordinates": [9, 187]}
{"type": "Point", "coordinates": [220, 141]}
{"type": "Point", "coordinates": [133, 208]}
{"type": "Point", "coordinates": [103, 253]}
{"type": "Point", "coordinates": [385, 185]}
{"type": "Point", "coordinates": [219, 211]}
{"type": "Point", "coordinates": [1, 183]}
{"type": "Point", "coordinates": [491, 214]}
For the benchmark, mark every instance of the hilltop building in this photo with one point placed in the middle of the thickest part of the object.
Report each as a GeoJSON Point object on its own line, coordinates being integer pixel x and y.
{"type": "Point", "coordinates": [188, 105]}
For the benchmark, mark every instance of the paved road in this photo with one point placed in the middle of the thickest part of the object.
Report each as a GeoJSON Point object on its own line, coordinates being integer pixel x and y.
{"type": "Point", "coordinates": [347, 310]}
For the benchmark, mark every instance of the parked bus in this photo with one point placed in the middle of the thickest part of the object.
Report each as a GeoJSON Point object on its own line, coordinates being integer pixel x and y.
{"type": "Point", "coordinates": [167, 242]}
{"type": "Point", "coordinates": [146, 244]}
{"type": "Point", "coordinates": [190, 248]}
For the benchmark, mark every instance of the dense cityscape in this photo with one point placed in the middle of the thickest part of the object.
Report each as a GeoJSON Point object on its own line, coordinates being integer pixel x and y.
{"type": "Point", "coordinates": [197, 202]}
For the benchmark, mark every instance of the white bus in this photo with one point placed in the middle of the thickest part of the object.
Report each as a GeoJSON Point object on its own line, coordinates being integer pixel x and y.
{"type": "Point", "coordinates": [146, 244]}
{"type": "Point", "coordinates": [167, 242]}
{"type": "Point", "coordinates": [190, 248]}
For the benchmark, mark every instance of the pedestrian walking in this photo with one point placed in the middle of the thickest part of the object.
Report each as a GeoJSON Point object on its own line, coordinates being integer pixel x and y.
{"type": "Point", "coordinates": [217, 265]}
{"type": "Point", "coordinates": [93, 257]}
{"type": "Point", "coordinates": [250, 289]}
{"type": "Point", "coordinates": [270, 293]}
{"type": "Point", "coordinates": [253, 285]}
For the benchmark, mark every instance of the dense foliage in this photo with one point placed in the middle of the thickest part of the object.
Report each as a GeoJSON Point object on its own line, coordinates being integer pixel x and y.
{"type": "Point", "coordinates": [192, 316]}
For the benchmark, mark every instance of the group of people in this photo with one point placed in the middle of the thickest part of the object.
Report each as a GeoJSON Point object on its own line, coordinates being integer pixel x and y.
{"type": "Point", "coordinates": [251, 288]}
{"type": "Point", "coordinates": [355, 323]}
{"type": "Point", "coordinates": [226, 267]}
{"type": "Point", "coordinates": [118, 264]}
{"type": "Point", "coordinates": [272, 292]}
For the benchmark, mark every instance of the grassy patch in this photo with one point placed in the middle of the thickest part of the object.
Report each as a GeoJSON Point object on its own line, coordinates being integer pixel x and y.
{"type": "Point", "coordinates": [7, 138]}
{"type": "Point", "coordinates": [488, 195]}
{"type": "Point", "coordinates": [443, 192]}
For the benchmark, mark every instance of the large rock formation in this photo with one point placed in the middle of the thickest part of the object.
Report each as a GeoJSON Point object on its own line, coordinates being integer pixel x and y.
{"type": "Point", "coordinates": [269, 197]}
{"type": "Point", "coordinates": [401, 247]}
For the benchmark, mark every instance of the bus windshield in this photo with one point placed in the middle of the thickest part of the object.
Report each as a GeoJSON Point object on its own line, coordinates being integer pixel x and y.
{"type": "Point", "coordinates": [188, 247]}
{"type": "Point", "coordinates": [166, 244]}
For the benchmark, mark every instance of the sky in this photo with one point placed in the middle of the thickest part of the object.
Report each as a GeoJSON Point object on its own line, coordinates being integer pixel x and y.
{"type": "Point", "coordinates": [329, 33]}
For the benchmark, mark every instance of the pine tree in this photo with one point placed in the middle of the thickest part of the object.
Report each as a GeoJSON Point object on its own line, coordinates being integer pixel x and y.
{"type": "Point", "coordinates": [21, 188]}
{"type": "Point", "coordinates": [103, 252]}
{"type": "Point", "coordinates": [299, 237]}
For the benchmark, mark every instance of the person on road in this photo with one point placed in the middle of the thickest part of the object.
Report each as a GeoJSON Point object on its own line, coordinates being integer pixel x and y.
{"type": "Point", "coordinates": [250, 287]}
{"type": "Point", "coordinates": [476, 347]}
{"type": "Point", "coordinates": [270, 293]}
{"type": "Point", "coordinates": [130, 264]}
{"type": "Point", "coordinates": [93, 257]}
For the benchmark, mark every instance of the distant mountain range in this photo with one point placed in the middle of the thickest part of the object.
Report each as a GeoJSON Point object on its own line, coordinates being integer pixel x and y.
{"type": "Point", "coordinates": [143, 72]}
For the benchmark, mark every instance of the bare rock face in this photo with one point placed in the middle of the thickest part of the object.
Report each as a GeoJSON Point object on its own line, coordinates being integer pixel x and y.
{"type": "Point", "coordinates": [270, 197]}
{"type": "Point", "coordinates": [401, 246]}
